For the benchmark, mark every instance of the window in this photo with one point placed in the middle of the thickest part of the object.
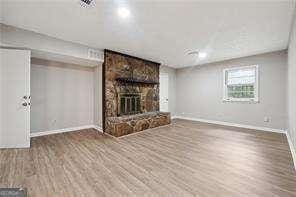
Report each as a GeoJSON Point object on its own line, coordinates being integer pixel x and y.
{"type": "Point", "coordinates": [241, 84]}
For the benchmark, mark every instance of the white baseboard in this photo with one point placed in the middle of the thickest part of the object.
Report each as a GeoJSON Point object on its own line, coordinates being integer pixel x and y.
{"type": "Point", "coordinates": [42, 133]}
{"type": "Point", "coordinates": [98, 128]}
{"type": "Point", "coordinates": [24, 145]}
{"type": "Point", "coordinates": [292, 149]}
{"type": "Point", "coordinates": [231, 124]}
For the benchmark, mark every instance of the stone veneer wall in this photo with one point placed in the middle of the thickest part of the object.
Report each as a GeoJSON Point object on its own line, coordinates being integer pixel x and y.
{"type": "Point", "coordinates": [117, 65]}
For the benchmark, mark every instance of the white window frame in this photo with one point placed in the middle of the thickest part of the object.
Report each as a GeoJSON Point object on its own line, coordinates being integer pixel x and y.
{"type": "Point", "coordinates": [256, 86]}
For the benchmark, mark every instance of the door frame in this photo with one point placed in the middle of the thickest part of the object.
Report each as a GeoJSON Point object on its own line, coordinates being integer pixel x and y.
{"type": "Point", "coordinates": [168, 96]}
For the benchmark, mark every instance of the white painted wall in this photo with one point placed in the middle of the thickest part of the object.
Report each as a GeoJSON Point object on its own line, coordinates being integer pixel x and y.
{"type": "Point", "coordinates": [46, 47]}
{"type": "Point", "coordinates": [292, 84]}
{"type": "Point", "coordinates": [62, 95]}
{"type": "Point", "coordinates": [1, 95]}
{"type": "Point", "coordinates": [45, 75]}
{"type": "Point", "coordinates": [172, 87]}
{"type": "Point", "coordinates": [200, 93]}
{"type": "Point", "coordinates": [98, 121]}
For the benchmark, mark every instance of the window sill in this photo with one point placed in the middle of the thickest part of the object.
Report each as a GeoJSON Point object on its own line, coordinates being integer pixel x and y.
{"type": "Point", "coordinates": [241, 100]}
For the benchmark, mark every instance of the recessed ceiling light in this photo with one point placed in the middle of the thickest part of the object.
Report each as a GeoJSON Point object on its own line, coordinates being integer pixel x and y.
{"type": "Point", "coordinates": [123, 12]}
{"type": "Point", "coordinates": [202, 55]}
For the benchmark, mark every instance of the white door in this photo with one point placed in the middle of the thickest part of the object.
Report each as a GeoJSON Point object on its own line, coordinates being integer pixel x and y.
{"type": "Point", "coordinates": [15, 98]}
{"type": "Point", "coordinates": [164, 92]}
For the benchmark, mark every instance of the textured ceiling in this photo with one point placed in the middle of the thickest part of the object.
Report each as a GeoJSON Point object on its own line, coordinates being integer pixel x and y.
{"type": "Point", "coordinates": [162, 31]}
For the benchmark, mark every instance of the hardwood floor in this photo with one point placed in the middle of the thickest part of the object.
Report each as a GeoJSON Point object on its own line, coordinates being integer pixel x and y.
{"type": "Point", "coordinates": [183, 159]}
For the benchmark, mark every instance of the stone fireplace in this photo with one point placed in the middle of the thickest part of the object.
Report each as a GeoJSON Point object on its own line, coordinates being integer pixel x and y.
{"type": "Point", "coordinates": [130, 94]}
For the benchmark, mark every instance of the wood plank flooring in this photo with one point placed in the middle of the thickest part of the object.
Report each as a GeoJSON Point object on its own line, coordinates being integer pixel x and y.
{"type": "Point", "coordinates": [183, 159]}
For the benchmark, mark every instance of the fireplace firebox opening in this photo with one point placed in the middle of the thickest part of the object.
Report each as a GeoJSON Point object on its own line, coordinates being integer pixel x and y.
{"type": "Point", "coordinates": [129, 103]}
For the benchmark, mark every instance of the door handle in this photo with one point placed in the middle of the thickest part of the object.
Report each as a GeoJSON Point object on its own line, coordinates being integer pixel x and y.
{"type": "Point", "coordinates": [26, 97]}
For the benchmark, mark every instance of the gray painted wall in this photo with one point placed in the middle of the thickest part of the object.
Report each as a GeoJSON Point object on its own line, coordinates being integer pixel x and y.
{"type": "Point", "coordinates": [172, 87]}
{"type": "Point", "coordinates": [62, 95]}
{"type": "Point", "coordinates": [292, 84]}
{"type": "Point", "coordinates": [199, 92]}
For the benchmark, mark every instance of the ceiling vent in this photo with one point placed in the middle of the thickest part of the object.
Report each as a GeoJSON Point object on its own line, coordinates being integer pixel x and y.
{"type": "Point", "coordinates": [95, 54]}
{"type": "Point", "coordinates": [87, 3]}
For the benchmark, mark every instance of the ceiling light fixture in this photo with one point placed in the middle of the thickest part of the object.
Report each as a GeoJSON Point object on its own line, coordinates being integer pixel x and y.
{"type": "Point", "coordinates": [192, 53]}
{"type": "Point", "coordinates": [123, 12]}
{"type": "Point", "coordinates": [202, 55]}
